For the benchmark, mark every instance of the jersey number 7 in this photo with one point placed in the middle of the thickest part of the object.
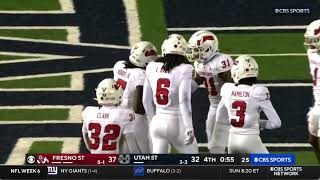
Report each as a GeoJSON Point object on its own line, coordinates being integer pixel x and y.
{"type": "Point", "coordinates": [240, 107]}
{"type": "Point", "coordinates": [109, 143]}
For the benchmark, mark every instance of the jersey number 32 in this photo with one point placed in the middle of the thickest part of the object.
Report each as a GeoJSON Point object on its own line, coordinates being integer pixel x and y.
{"type": "Point", "coordinates": [109, 143]}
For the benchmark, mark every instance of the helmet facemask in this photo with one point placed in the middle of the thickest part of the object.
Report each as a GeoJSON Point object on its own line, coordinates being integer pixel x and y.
{"type": "Point", "coordinates": [194, 54]}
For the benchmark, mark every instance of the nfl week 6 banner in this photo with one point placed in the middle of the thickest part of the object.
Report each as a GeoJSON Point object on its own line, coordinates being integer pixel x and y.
{"type": "Point", "coordinates": [162, 166]}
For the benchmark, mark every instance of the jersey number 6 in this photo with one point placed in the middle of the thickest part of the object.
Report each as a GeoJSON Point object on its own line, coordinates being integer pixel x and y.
{"type": "Point", "coordinates": [162, 91]}
{"type": "Point", "coordinates": [241, 107]}
{"type": "Point", "coordinates": [112, 133]}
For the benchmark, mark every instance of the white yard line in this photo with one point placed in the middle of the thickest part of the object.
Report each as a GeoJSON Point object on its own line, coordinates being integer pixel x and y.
{"type": "Point", "coordinates": [73, 35]}
{"type": "Point", "coordinates": [272, 145]}
{"type": "Point", "coordinates": [236, 28]}
{"type": "Point", "coordinates": [67, 6]}
{"type": "Point", "coordinates": [71, 146]}
{"type": "Point", "coordinates": [77, 81]}
{"type": "Point", "coordinates": [75, 113]}
{"type": "Point", "coordinates": [132, 21]}
{"type": "Point", "coordinates": [66, 43]}
{"type": "Point", "coordinates": [57, 74]}
{"type": "Point", "coordinates": [23, 145]}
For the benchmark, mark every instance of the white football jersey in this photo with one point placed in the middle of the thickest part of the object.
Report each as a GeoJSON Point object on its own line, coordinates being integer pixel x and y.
{"type": "Point", "coordinates": [128, 79]}
{"type": "Point", "coordinates": [105, 126]}
{"type": "Point", "coordinates": [209, 70]}
{"type": "Point", "coordinates": [244, 104]}
{"type": "Point", "coordinates": [314, 64]}
{"type": "Point", "coordinates": [165, 86]}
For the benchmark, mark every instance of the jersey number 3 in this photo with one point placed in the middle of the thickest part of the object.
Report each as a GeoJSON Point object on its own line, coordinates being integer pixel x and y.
{"type": "Point", "coordinates": [112, 133]}
{"type": "Point", "coordinates": [240, 107]}
{"type": "Point", "coordinates": [162, 91]}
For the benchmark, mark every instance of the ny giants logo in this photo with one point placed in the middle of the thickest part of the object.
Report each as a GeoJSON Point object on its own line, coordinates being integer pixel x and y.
{"type": "Point", "coordinates": [204, 39]}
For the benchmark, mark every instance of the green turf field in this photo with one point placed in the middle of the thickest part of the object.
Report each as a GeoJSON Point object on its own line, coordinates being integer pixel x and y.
{"type": "Point", "coordinates": [46, 34]}
{"type": "Point", "coordinates": [33, 114]}
{"type": "Point", "coordinates": [43, 82]}
{"type": "Point", "coordinates": [9, 57]}
{"type": "Point", "coordinates": [259, 43]}
{"type": "Point", "coordinates": [34, 5]}
{"type": "Point", "coordinates": [271, 68]}
{"type": "Point", "coordinates": [50, 147]}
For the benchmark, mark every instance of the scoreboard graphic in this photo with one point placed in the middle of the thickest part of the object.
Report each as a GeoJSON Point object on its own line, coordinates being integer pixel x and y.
{"type": "Point", "coordinates": [160, 166]}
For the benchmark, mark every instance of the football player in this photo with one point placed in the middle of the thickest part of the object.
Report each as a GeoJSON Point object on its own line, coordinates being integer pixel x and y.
{"type": "Point", "coordinates": [244, 100]}
{"type": "Point", "coordinates": [312, 43]}
{"type": "Point", "coordinates": [167, 99]}
{"type": "Point", "coordinates": [105, 129]}
{"type": "Point", "coordinates": [131, 75]}
{"type": "Point", "coordinates": [212, 70]}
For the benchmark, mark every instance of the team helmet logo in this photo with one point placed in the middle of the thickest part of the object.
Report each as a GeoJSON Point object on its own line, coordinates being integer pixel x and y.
{"type": "Point", "coordinates": [317, 31]}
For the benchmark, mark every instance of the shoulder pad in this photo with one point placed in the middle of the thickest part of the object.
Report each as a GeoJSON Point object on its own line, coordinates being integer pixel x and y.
{"type": "Point", "coordinates": [88, 110]}
{"type": "Point", "coordinates": [261, 92]}
{"type": "Point", "coordinates": [223, 63]}
{"type": "Point", "coordinates": [225, 88]}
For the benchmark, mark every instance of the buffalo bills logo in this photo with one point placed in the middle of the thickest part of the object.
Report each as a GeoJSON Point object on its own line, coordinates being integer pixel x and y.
{"type": "Point", "coordinates": [204, 39]}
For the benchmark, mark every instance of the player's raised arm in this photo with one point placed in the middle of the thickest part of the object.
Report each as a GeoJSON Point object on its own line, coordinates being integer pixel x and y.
{"type": "Point", "coordinates": [265, 104]}
{"type": "Point", "coordinates": [185, 105]}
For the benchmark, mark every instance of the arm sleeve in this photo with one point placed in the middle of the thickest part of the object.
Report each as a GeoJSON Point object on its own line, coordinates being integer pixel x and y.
{"type": "Point", "coordinates": [84, 124]}
{"type": "Point", "coordinates": [147, 100]}
{"type": "Point", "coordinates": [273, 118]}
{"type": "Point", "coordinates": [140, 77]}
{"type": "Point", "coordinates": [265, 104]}
{"type": "Point", "coordinates": [221, 112]}
{"type": "Point", "coordinates": [86, 140]}
{"type": "Point", "coordinates": [185, 100]}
